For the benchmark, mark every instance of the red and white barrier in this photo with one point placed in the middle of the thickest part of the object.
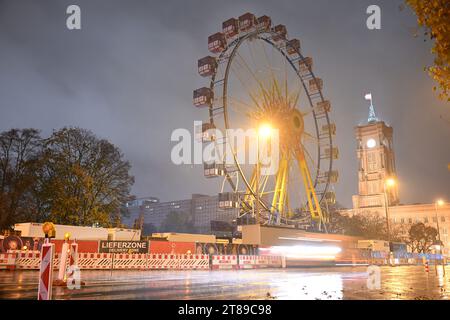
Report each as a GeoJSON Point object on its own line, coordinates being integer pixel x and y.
{"type": "Point", "coordinates": [268, 261]}
{"type": "Point", "coordinates": [193, 262]}
{"type": "Point", "coordinates": [95, 261]}
{"type": "Point", "coordinates": [7, 261]}
{"type": "Point", "coordinates": [46, 272]}
{"type": "Point", "coordinates": [224, 262]}
{"type": "Point", "coordinates": [247, 262]}
{"type": "Point", "coordinates": [162, 261]}
{"type": "Point", "coordinates": [253, 262]}
{"type": "Point", "coordinates": [28, 260]}
{"type": "Point", "coordinates": [130, 261]}
{"type": "Point", "coordinates": [99, 261]}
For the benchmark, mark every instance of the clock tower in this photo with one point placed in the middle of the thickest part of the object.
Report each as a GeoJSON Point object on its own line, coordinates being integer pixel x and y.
{"type": "Point", "coordinates": [376, 163]}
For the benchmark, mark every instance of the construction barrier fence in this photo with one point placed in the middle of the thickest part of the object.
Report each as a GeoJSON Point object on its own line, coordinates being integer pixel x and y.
{"type": "Point", "coordinates": [163, 261]}
{"type": "Point", "coordinates": [160, 261]}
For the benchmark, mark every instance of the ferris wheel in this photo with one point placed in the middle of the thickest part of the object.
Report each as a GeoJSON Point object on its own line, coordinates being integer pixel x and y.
{"type": "Point", "coordinates": [258, 76]}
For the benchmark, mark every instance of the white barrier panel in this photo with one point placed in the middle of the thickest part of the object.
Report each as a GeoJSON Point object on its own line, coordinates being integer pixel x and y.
{"type": "Point", "coordinates": [247, 262]}
{"type": "Point", "coordinates": [94, 261]}
{"type": "Point", "coordinates": [224, 262]}
{"type": "Point", "coordinates": [162, 261]}
{"type": "Point", "coordinates": [7, 261]}
{"type": "Point", "coordinates": [268, 261]}
{"type": "Point", "coordinates": [28, 260]}
{"type": "Point", "coordinates": [130, 261]}
{"type": "Point", "coordinates": [193, 261]}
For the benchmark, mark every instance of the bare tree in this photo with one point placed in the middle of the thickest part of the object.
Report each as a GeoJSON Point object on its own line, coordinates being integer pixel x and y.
{"type": "Point", "coordinates": [19, 159]}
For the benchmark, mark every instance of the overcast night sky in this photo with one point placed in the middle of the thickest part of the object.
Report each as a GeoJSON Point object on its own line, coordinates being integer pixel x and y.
{"type": "Point", "coordinates": [128, 76]}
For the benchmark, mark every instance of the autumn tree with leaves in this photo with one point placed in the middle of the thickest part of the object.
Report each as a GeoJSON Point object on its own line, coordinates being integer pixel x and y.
{"type": "Point", "coordinates": [88, 180]}
{"type": "Point", "coordinates": [72, 177]}
{"type": "Point", "coordinates": [434, 17]}
{"type": "Point", "coordinates": [421, 237]}
{"type": "Point", "coordinates": [369, 226]}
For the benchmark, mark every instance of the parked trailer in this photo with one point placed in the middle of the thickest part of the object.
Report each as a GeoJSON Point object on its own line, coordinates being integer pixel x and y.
{"type": "Point", "coordinates": [31, 229]}
{"type": "Point", "coordinates": [374, 245]}
{"type": "Point", "coordinates": [206, 244]}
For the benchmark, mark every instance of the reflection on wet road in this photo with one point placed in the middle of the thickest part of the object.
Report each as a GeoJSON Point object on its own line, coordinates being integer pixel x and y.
{"type": "Point", "coordinates": [405, 282]}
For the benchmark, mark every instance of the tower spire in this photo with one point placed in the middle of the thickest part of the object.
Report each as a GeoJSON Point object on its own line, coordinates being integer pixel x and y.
{"type": "Point", "coordinates": [372, 115]}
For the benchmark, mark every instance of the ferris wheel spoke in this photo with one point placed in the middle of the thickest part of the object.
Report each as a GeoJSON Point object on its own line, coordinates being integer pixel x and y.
{"type": "Point", "coordinates": [253, 59]}
{"type": "Point", "coordinates": [252, 73]}
{"type": "Point", "coordinates": [294, 99]}
{"type": "Point", "coordinates": [241, 107]}
{"type": "Point", "coordinates": [311, 159]}
{"type": "Point", "coordinates": [311, 137]}
{"type": "Point", "coordinates": [269, 64]}
{"type": "Point", "coordinates": [286, 96]}
{"type": "Point", "coordinates": [266, 94]}
{"type": "Point", "coordinates": [249, 92]}
{"type": "Point", "coordinates": [273, 79]}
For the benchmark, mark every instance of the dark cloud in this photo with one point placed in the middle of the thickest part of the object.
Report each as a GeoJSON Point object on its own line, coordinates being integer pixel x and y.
{"type": "Point", "coordinates": [128, 75]}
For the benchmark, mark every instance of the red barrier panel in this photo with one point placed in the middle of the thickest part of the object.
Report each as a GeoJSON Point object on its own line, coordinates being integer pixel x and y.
{"type": "Point", "coordinates": [7, 261]}
{"type": "Point", "coordinates": [162, 261]}
{"type": "Point", "coordinates": [172, 247]}
{"type": "Point", "coordinates": [224, 262]}
{"type": "Point", "coordinates": [83, 245]}
{"type": "Point", "coordinates": [193, 262]}
{"type": "Point", "coordinates": [247, 262]}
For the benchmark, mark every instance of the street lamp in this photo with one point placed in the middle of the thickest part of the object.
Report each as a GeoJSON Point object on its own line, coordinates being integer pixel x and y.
{"type": "Point", "coordinates": [264, 132]}
{"type": "Point", "coordinates": [437, 204]}
{"type": "Point", "coordinates": [389, 183]}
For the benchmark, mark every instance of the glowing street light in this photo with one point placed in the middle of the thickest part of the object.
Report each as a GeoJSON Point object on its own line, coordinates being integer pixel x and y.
{"type": "Point", "coordinates": [439, 203]}
{"type": "Point", "coordinates": [265, 131]}
{"type": "Point", "coordinates": [388, 183]}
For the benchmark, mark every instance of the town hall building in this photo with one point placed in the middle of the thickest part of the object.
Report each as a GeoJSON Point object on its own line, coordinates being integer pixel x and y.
{"type": "Point", "coordinates": [377, 183]}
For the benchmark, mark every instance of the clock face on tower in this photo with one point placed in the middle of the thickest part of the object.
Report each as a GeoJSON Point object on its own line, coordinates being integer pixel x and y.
{"type": "Point", "coordinates": [371, 143]}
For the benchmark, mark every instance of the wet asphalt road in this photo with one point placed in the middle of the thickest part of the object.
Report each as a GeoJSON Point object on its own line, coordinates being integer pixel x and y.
{"type": "Point", "coordinates": [336, 283]}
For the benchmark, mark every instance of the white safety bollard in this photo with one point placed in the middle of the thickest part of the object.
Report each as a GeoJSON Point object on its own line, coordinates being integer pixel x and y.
{"type": "Point", "coordinates": [61, 281]}
{"type": "Point", "coordinates": [283, 262]}
{"type": "Point", "coordinates": [63, 260]}
{"type": "Point", "coordinates": [73, 276]}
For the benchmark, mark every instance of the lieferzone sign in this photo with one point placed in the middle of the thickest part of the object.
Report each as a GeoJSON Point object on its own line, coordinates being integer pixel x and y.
{"type": "Point", "coordinates": [123, 246]}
